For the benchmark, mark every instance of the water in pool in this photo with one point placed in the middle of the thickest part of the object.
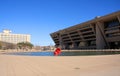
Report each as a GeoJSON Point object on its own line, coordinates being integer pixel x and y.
{"type": "Point", "coordinates": [73, 53]}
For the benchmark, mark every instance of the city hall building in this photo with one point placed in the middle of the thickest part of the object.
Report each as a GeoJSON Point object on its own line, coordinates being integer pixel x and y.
{"type": "Point", "coordinates": [102, 32]}
{"type": "Point", "coordinates": [8, 37]}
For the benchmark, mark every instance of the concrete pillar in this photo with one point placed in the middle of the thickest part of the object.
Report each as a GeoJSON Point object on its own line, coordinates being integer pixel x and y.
{"type": "Point", "coordinates": [81, 36]}
{"type": "Point", "coordinates": [70, 37]}
{"type": "Point", "coordinates": [60, 41]}
{"type": "Point", "coordinates": [100, 41]}
{"type": "Point", "coordinates": [93, 28]}
{"type": "Point", "coordinates": [118, 18]}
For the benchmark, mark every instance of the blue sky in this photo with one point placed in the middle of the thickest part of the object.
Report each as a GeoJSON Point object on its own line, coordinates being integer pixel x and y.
{"type": "Point", "coordinates": [39, 18]}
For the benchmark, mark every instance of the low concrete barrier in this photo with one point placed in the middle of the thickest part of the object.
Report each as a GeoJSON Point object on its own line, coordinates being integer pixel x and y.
{"type": "Point", "coordinates": [95, 50]}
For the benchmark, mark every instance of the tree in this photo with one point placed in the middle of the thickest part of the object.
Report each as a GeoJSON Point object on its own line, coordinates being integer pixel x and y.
{"type": "Point", "coordinates": [25, 45]}
{"type": "Point", "coordinates": [7, 45]}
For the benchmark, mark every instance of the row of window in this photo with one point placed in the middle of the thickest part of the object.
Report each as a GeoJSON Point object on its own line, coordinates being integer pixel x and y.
{"type": "Point", "coordinates": [112, 23]}
{"type": "Point", "coordinates": [82, 44]}
{"type": "Point", "coordinates": [112, 34]}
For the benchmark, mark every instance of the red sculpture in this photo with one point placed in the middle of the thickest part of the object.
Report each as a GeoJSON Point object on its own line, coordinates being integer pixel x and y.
{"type": "Point", "coordinates": [57, 51]}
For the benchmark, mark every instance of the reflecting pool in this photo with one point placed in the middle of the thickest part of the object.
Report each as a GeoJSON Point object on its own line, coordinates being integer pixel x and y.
{"type": "Point", "coordinates": [67, 53]}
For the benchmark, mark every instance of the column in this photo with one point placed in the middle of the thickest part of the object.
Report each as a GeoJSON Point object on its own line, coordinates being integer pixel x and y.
{"type": "Point", "coordinates": [60, 40]}
{"type": "Point", "coordinates": [100, 41]}
{"type": "Point", "coordinates": [118, 18]}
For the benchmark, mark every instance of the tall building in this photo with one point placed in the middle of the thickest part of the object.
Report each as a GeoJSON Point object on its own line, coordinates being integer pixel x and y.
{"type": "Point", "coordinates": [99, 33]}
{"type": "Point", "coordinates": [7, 36]}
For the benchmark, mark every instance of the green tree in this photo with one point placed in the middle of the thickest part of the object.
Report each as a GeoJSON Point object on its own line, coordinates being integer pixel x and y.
{"type": "Point", "coordinates": [25, 45]}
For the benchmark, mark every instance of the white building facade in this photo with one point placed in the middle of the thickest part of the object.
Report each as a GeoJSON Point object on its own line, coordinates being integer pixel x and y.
{"type": "Point", "coordinates": [7, 36]}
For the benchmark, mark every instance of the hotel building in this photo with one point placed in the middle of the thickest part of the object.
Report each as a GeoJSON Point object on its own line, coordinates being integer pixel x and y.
{"type": "Point", "coordinates": [102, 32]}
{"type": "Point", "coordinates": [7, 36]}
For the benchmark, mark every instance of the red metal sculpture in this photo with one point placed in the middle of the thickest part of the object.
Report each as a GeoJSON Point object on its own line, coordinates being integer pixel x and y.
{"type": "Point", "coordinates": [57, 52]}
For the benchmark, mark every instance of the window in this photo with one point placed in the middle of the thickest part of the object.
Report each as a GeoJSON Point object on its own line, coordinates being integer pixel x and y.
{"type": "Point", "coordinates": [111, 23]}
{"type": "Point", "coordinates": [84, 30]}
{"type": "Point", "coordinates": [73, 33]}
{"type": "Point", "coordinates": [112, 34]}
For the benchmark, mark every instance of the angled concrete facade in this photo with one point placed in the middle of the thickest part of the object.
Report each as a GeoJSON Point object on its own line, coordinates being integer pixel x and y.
{"type": "Point", "coordinates": [100, 33]}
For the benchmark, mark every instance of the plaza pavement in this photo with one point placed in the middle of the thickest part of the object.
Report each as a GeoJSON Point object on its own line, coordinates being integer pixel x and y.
{"type": "Point", "coordinates": [101, 65]}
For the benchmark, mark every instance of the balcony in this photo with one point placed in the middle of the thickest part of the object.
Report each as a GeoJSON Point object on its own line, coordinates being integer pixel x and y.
{"type": "Point", "coordinates": [113, 39]}
{"type": "Point", "coordinates": [113, 31]}
{"type": "Point", "coordinates": [88, 35]}
{"type": "Point", "coordinates": [112, 28]}
{"type": "Point", "coordinates": [87, 32]}
{"type": "Point", "coordinates": [85, 27]}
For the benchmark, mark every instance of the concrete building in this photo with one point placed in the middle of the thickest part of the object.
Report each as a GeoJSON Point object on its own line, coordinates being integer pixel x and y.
{"type": "Point", "coordinates": [99, 33]}
{"type": "Point", "coordinates": [7, 36]}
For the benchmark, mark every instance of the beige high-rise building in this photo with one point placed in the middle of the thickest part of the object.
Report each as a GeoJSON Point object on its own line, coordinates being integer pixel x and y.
{"type": "Point", "coordinates": [7, 36]}
{"type": "Point", "coordinates": [99, 33]}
